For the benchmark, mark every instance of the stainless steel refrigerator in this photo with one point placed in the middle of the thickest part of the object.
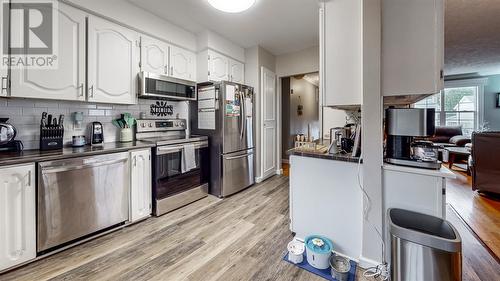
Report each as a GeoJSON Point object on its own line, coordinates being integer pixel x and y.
{"type": "Point", "coordinates": [225, 113]}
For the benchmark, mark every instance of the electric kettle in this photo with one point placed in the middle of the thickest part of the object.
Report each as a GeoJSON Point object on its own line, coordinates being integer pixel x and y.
{"type": "Point", "coordinates": [7, 131]}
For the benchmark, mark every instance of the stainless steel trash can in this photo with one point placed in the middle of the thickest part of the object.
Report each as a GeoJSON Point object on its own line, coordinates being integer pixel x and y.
{"type": "Point", "coordinates": [423, 247]}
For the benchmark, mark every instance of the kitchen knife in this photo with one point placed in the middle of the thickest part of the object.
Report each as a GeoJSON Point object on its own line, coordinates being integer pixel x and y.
{"type": "Point", "coordinates": [49, 123]}
{"type": "Point", "coordinates": [54, 122]}
{"type": "Point", "coordinates": [61, 120]}
{"type": "Point", "coordinates": [43, 122]}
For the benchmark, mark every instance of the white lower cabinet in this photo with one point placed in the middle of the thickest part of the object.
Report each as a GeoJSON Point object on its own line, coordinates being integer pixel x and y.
{"type": "Point", "coordinates": [140, 184]}
{"type": "Point", "coordinates": [17, 215]}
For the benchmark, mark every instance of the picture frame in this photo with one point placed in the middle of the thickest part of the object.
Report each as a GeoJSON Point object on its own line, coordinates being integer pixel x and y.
{"type": "Point", "coordinates": [498, 100]}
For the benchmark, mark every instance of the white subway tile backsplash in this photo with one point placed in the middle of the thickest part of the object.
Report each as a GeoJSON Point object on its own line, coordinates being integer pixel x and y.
{"type": "Point", "coordinates": [25, 115]}
{"type": "Point", "coordinates": [96, 112]}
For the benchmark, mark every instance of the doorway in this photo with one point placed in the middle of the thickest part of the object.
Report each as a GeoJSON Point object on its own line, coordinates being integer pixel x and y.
{"type": "Point", "coordinates": [301, 111]}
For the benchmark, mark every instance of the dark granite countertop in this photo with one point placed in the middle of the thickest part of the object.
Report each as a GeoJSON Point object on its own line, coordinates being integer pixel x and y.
{"type": "Point", "coordinates": [26, 156]}
{"type": "Point", "coordinates": [346, 157]}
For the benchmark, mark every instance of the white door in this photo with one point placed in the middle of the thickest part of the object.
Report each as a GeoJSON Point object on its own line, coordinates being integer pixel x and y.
{"type": "Point", "coordinates": [140, 187]}
{"type": "Point", "coordinates": [154, 56]}
{"type": "Point", "coordinates": [237, 72]}
{"type": "Point", "coordinates": [269, 124]}
{"type": "Point", "coordinates": [67, 81]}
{"type": "Point", "coordinates": [113, 62]}
{"type": "Point", "coordinates": [218, 67]}
{"type": "Point", "coordinates": [182, 64]}
{"type": "Point", "coordinates": [17, 215]}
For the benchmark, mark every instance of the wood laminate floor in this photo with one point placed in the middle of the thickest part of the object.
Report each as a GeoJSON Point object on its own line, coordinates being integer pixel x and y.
{"type": "Point", "coordinates": [480, 212]}
{"type": "Point", "coordinates": [242, 237]}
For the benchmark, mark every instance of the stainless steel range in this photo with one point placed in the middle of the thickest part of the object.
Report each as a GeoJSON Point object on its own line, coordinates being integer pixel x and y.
{"type": "Point", "coordinates": [180, 163]}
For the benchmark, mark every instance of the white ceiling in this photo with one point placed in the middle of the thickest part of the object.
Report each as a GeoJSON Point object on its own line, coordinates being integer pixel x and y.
{"type": "Point", "coordinates": [279, 26]}
{"type": "Point", "coordinates": [472, 37]}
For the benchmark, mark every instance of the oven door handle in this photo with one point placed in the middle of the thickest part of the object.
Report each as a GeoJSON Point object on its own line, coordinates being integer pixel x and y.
{"type": "Point", "coordinates": [172, 149]}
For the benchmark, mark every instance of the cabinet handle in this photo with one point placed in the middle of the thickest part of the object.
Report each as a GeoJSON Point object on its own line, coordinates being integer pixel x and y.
{"type": "Point", "coordinates": [171, 70]}
{"type": "Point", "coordinates": [91, 91]}
{"type": "Point", "coordinates": [165, 70]}
{"type": "Point", "coordinates": [5, 84]}
{"type": "Point", "coordinates": [29, 178]}
{"type": "Point", "coordinates": [135, 161]}
{"type": "Point", "coordinates": [81, 90]}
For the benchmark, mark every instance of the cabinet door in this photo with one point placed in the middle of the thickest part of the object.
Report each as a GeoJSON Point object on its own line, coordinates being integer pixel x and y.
{"type": "Point", "coordinates": [67, 80]}
{"type": "Point", "coordinates": [113, 62]}
{"type": "Point", "coordinates": [154, 56]}
{"type": "Point", "coordinates": [17, 219]}
{"type": "Point", "coordinates": [218, 67]}
{"type": "Point", "coordinates": [236, 72]}
{"type": "Point", "coordinates": [182, 64]}
{"type": "Point", "coordinates": [341, 52]}
{"type": "Point", "coordinates": [140, 187]}
{"type": "Point", "coordinates": [412, 47]}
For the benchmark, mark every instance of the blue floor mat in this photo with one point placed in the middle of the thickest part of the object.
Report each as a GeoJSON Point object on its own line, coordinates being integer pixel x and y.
{"type": "Point", "coordinates": [325, 273]}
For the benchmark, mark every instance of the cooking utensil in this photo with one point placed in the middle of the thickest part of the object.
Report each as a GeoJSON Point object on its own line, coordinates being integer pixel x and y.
{"type": "Point", "coordinates": [318, 251]}
{"type": "Point", "coordinates": [340, 267]}
{"type": "Point", "coordinates": [43, 122]}
{"type": "Point", "coordinates": [49, 123]}
{"type": "Point", "coordinates": [296, 251]}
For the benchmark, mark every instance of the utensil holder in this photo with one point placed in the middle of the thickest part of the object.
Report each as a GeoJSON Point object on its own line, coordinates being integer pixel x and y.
{"type": "Point", "coordinates": [51, 137]}
{"type": "Point", "coordinates": [126, 135]}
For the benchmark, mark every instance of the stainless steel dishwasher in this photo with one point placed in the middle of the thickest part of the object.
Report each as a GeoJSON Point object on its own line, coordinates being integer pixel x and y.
{"type": "Point", "coordinates": [80, 196]}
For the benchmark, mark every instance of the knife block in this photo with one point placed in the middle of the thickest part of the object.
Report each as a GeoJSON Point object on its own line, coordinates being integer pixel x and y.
{"type": "Point", "coordinates": [51, 137]}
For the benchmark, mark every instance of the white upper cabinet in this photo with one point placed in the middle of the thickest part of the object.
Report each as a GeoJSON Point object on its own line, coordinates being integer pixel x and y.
{"type": "Point", "coordinates": [182, 64]}
{"type": "Point", "coordinates": [4, 73]}
{"type": "Point", "coordinates": [18, 213]}
{"type": "Point", "coordinates": [236, 71]}
{"type": "Point", "coordinates": [113, 62]}
{"type": "Point", "coordinates": [160, 58]}
{"type": "Point", "coordinates": [412, 47]}
{"type": "Point", "coordinates": [341, 50]}
{"type": "Point", "coordinates": [154, 56]}
{"type": "Point", "coordinates": [213, 66]}
{"type": "Point", "coordinates": [67, 80]}
{"type": "Point", "coordinates": [218, 66]}
{"type": "Point", "coordinates": [140, 186]}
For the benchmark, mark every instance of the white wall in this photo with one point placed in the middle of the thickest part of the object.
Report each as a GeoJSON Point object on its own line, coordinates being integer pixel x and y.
{"type": "Point", "coordinates": [212, 40]}
{"type": "Point", "coordinates": [134, 17]}
{"type": "Point", "coordinates": [307, 95]}
{"type": "Point", "coordinates": [332, 118]}
{"type": "Point", "coordinates": [301, 62]}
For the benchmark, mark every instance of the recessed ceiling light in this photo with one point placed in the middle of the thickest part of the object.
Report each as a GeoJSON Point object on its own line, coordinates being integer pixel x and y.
{"type": "Point", "coordinates": [232, 6]}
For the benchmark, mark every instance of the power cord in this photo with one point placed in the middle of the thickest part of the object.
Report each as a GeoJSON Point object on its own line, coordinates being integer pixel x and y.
{"type": "Point", "coordinates": [382, 270]}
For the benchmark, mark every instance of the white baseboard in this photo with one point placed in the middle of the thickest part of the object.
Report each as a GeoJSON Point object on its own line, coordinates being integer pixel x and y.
{"type": "Point", "coordinates": [366, 262]}
{"type": "Point", "coordinates": [279, 172]}
{"type": "Point", "coordinates": [258, 179]}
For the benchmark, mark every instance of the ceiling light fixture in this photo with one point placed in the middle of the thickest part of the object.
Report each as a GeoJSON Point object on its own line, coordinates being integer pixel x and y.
{"type": "Point", "coordinates": [232, 6]}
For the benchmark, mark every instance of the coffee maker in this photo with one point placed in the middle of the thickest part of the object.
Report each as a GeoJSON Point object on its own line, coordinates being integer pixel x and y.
{"type": "Point", "coordinates": [404, 126]}
{"type": "Point", "coordinates": [96, 134]}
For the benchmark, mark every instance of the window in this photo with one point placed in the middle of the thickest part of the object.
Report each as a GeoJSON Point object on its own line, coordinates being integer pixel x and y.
{"type": "Point", "coordinates": [459, 104]}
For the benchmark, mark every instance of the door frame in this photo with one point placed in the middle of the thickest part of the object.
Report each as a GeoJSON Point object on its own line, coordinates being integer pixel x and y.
{"type": "Point", "coordinates": [277, 136]}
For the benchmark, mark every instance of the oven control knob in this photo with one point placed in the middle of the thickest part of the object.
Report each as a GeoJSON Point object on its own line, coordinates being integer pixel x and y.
{"type": "Point", "coordinates": [182, 124]}
{"type": "Point", "coordinates": [143, 125]}
{"type": "Point", "coordinates": [150, 125]}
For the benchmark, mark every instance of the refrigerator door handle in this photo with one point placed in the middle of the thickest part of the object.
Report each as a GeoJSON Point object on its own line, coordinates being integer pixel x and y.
{"type": "Point", "coordinates": [242, 114]}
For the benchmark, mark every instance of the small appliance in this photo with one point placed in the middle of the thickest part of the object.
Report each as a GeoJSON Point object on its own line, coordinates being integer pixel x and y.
{"type": "Point", "coordinates": [96, 133]}
{"type": "Point", "coordinates": [296, 250]}
{"type": "Point", "coordinates": [7, 137]}
{"type": "Point", "coordinates": [157, 86]}
{"type": "Point", "coordinates": [318, 251]}
{"type": "Point", "coordinates": [403, 126]}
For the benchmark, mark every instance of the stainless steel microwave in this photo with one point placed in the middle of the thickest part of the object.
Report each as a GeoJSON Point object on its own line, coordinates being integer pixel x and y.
{"type": "Point", "coordinates": [157, 86]}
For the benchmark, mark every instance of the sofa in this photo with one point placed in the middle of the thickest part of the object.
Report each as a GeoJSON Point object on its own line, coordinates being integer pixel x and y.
{"type": "Point", "coordinates": [485, 165]}
{"type": "Point", "coordinates": [449, 136]}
